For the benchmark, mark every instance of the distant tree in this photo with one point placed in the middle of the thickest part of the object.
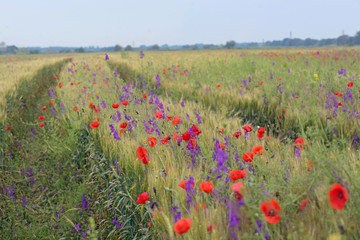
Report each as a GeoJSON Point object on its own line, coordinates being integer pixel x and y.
{"type": "Point", "coordinates": [128, 48]}
{"type": "Point", "coordinates": [64, 50]}
{"type": "Point", "coordinates": [230, 44]}
{"type": "Point", "coordinates": [79, 50]}
{"type": "Point", "coordinates": [117, 48]}
{"type": "Point", "coordinates": [34, 51]}
{"type": "Point", "coordinates": [357, 38]}
{"type": "Point", "coordinates": [194, 47]}
{"type": "Point", "coordinates": [155, 47]}
{"type": "Point", "coordinates": [11, 49]}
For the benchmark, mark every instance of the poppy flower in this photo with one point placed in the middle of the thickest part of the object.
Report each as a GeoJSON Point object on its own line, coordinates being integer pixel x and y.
{"type": "Point", "coordinates": [221, 130]}
{"type": "Point", "coordinates": [159, 114]}
{"type": "Point", "coordinates": [206, 187]}
{"type": "Point", "coordinates": [142, 198]}
{"type": "Point", "coordinates": [182, 184]}
{"type": "Point", "coordinates": [182, 226]}
{"type": "Point", "coordinates": [339, 104]}
{"type": "Point", "coordinates": [186, 135]}
{"type": "Point", "coordinates": [51, 102]}
{"type": "Point", "coordinates": [8, 128]}
{"type": "Point", "coordinates": [237, 174]}
{"type": "Point", "coordinates": [176, 120]}
{"type": "Point", "coordinates": [210, 228]}
{"type": "Point", "coordinates": [142, 155]}
{"type": "Point", "coordinates": [43, 108]}
{"type": "Point", "coordinates": [218, 85]}
{"type": "Point", "coordinates": [248, 157]}
{"type": "Point", "coordinates": [192, 143]}
{"type": "Point", "coordinates": [196, 130]}
{"type": "Point", "coordinates": [41, 124]}
{"type": "Point", "coordinates": [299, 143]}
{"type": "Point", "coordinates": [123, 125]}
{"type": "Point", "coordinates": [350, 84]}
{"type": "Point", "coordinates": [237, 134]}
{"type": "Point", "coordinates": [126, 102]}
{"type": "Point", "coordinates": [144, 95]}
{"type": "Point", "coordinates": [257, 150]}
{"type": "Point", "coordinates": [247, 128]}
{"type": "Point", "coordinates": [238, 189]}
{"type": "Point", "coordinates": [115, 105]}
{"type": "Point", "coordinates": [338, 196]}
{"type": "Point", "coordinates": [60, 84]}
{"type": "Point", "coordinates": [41, 118]}
{"type": "Point", "coordinates": [168, 118]}
{"type": "Point", "coordinates": [75, 109]}
{"type": "Point", "coordinates": [271, 210]}
{"type": "Point", "coordinates": [303, 205]}
{"type": "Point", "coordinates": [94, 124]}
{"type": "Point", "coordinates": [152, 141]}
{"type": "Point", "coordinates": [165, 140]}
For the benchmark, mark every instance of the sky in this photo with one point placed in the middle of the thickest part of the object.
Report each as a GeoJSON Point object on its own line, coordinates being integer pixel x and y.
{"type": "Point", "coordinates": [103, 23]}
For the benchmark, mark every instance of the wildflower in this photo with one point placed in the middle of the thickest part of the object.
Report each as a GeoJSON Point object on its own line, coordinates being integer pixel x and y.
{"type": "Point", "coordinates": [126, 102]}
{"type": "Point", "coordinates": [41, 125]}
{"type": "Point", "coordinates": [115, 105]}
{"type": "Point", "coordinates": [60, 84]}
{"type": "Point", "coordinates": [257, 150]}
{"type": "Point", "coordinates": [165, 140]}
{"type": "Point", "coordinates": [210, 228]}
{"type": "Point", "coordinates": [260, 133]}
{"type": "Point", "coordinates": [41, 118]}
{"type": "Point", "coordinates": [218, 85]}
{"type": "Point", "coordinates": [238, 189]}
{"type": "Point", "coordinates": [182, 226]}
{"type": "Point", "coordinates": [221, 130]}
{"type": "Point", "coordinates": [182, 184]}
{"type": "Point", "coordinates": [75, 109]}
{"type": "Point", "coordinates": [206, 187]}
{"type": "Point", "coordinates": [152, 141]}
{"type": "Point", "coordinates": [237, 174]}
{"type": "Point", "coordinates": [350, 84]}
{"type": "Point", "coordinates": [299, 143]}
{"type": "Point", "coordinates": [303, 205]}
{"type": "Point", "coordinates": [123, 125]}
{"type": "Point", "coordinates": [168, 118]}
{"type": "Point", "coordinates": [94, 124]}
{"type": "Point", "coordinates": [338, 196]}
{"type": "Point", "coordinates": [248, 157]}
{"type": "Point", "coordinates": [176, 120]}
{"type": "Point", "coordinates": [142, 198]}
{"type": "Point", "coordinates": [144, 95]}
{"type": "Point", "coordinates": [43, 108]}
{"type": "Point", "coordinates": [271, 210]}
{"type": "Point", "coordinates": [316, 77]}
{"type": "Point", "coordinates": [8, 128]}
{"type": "Point", "coordinates": [196, 130]}
{"type": "Point", "coordinates": [237, 134]}
{"type": "Point", "coordinates": [159, 114]}
{"type": "Point", "coordinates": [247, 128]}
{"type": "Point", "coordinates": [142, 155]}
{"type": "Point", "coordinates": [106, 57]}
{"type": "Point", "coordinates": [51, 102]}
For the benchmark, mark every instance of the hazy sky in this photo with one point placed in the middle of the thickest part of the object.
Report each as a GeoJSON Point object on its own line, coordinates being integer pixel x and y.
{"type": "Point", "coordinates": [109, 22]}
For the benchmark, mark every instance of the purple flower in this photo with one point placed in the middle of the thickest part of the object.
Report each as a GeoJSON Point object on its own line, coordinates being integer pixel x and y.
{"type": "Point", "coordinates": [106, 57]}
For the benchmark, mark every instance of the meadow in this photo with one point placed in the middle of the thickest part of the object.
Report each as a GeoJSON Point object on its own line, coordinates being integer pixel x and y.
{"type": "Point", "coordinates": [223, 144]}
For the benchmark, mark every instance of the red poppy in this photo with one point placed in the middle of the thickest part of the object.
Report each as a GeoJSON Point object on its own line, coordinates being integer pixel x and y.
{"type": "Point", "coordinates": [142, 198]}
{"type": "Point", "coordinates": [41, 118]}
{"type": "Point", "coordinates": [303, 205]}
{"type": "Point", "coordinates": [142, 155]}
{"type": "Point", "coordinates": [340, 104]}
{"type": "Point", "coordinates": [75, 109]}
{"type": "Point", "coordinates": [257, 150]}
{"type": "Point", "coordinates": [8, 128]}
{"type": "Point", "coordinates": [247, 128]}
{"type": "Point", "coordinates": [186, 135]}
{"type": "Point", "coordinates": [72, 84]}
{"type": "Point", "coordinates": [60, 84]}
{"type": "Point", "coordinates": [176, 120]}
{"type": "Point", "coordinates": [260, 133]}
{"type": "Point", "coordinates": [126, 102]}
{"type": "Point", "coordinates": [210, 228]}
{"type": "Point", "coordinates": [238, 189]}
{"type": "Point", "coordinates": [206, 187]}
{"type": "Point", "coordinates": [41, 124]}
{"type": "Point", "coordinates": [144, 95]}
{"type": "Point", "coordinates": [165, 140]}
{"type": "Point", "coordinates": [182, 184]}
{"type": "Point", "coordinates": [115, 105]}
{"type": "Point", "coordinates": [192, 143]}
{"type": "Point", "coordinates": [237, 134]}
{"type": "Point", "coordinates": [159, 114]}
{"type": "Point", "coordinates": [94, 124]}
{"type": "Point", "coordinates": [152, 141]}
{"type": "Point", "coordinates": [51, 102]}
{"type": "Point", "coordinates": [299, 143]}
{"type": "Point", "coordinates": [338, 196]}
{"type": "Point", "coordinates": [218, 85]}
{"type": "Point", "coordinates": [237, 174]}
{"type": "Point", "coordinates": [248, 157]}
{"type": "Point", "coordinates": [222, 146]}
{"type": "Point", "coordinates": [221, 130]}
{"type": "Point", "coordinates": [43, 108]}
{"type": "Point", "coordinates": [196, 130]}
{"type": "Point", "coordinates": [168, 118]}
{"type": "Point", "coordinates": [182, 226]}
{"type": "Point", "coordinates": [271, 210]}
{"type": "Point", "coordinates": [350, 84]}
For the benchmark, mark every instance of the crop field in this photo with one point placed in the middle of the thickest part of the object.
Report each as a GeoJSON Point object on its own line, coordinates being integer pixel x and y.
{"type": "Point", "coordinates": [220, 144]}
